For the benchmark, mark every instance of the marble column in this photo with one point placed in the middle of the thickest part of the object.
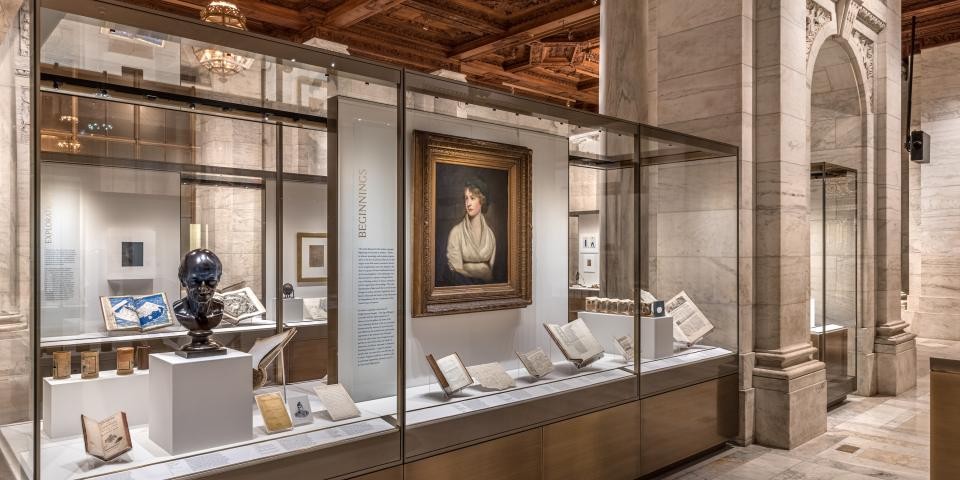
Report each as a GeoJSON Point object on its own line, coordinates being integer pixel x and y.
{"type": "Point", "coordinates": [791, 388]}
{"type": "Point", "coordinates": [623, 94]}
{"type": "Point", "coordinates": [15, 216]}
{"type": "Point", "coordinates": [703, 85]}
{"type": "Point", "coordinates": [623, 59]}
{"type": "Point", "coordinates": [895, 347]}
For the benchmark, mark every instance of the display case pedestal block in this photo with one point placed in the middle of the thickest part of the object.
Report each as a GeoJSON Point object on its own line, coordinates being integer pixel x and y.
{"type": "Point", "coordinates": [292, 309]}
{"type": "Point", "coordinates": [656, 337]}
{"type": "Point", "coordinates": [200, 402]}
{"type": "Point", "coordinates": [66, 399]}
{"type": "Point", "coordinates": [607, 327]}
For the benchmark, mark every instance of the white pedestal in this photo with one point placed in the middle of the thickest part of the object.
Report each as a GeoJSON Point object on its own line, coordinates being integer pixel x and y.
{"type": "Point", "coordinates": [656, 337]}
{"type": "Point", "coordinates": [201, 402]}
{"type": "Point", "coordinates": [607, 327]}
{"type": "Point", "coordinates": [292, 309]}
{"type": "Point", "coordinates": [66, 399]}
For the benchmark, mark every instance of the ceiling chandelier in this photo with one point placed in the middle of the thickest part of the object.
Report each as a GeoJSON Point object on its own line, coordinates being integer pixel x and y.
{"type": "Point", "coordinates": [217, 61]}
{"type": "Point", "coordinates": [70, 144]}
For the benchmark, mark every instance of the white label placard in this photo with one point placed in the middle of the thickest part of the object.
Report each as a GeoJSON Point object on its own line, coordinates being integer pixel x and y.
{"type": "Point", "coordinates": [366, 145]}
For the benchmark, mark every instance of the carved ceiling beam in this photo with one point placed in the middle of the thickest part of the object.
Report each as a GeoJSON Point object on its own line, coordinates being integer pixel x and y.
{"type": "Point", "coordinates": [551, 24]}
{"type": "Point", "coordinates": [478, 25]}
{"type": "Point", "coordinates": [269, 14]}
{"type": "Point", "coordinates": [553, 86]}
{"type": "Point", "coordinates": [588, 84]}
{"type": "Point", "coordinates": [940, 29]}
{"type": "Point", "coordinates": [397, 52]}
{"type": "Point", "coordinates": [354, 11]}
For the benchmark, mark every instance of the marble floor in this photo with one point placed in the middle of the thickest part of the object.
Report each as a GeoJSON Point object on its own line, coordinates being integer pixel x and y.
{"type": "Point", "coordinates": [867, 438]}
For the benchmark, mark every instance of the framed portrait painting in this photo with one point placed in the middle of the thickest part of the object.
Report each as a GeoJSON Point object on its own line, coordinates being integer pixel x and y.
{"type": "Point", "coordinates": [472, 211]}
{"type": "Point", "coordinates": [312, 257]}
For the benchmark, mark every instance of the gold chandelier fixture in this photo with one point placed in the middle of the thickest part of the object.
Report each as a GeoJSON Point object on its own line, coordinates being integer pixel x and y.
{"type": "Point", "coordinates": [70, 144]}
{"type": "Point", "coordinates": [217, 61]}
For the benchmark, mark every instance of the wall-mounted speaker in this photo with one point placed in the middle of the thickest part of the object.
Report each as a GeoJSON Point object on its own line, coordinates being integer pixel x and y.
{"type": "Point", "coordinates": [920, 146]}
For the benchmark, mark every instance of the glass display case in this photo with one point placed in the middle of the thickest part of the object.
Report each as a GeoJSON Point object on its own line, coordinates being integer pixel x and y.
{"type": "Point", "coordinates": [217, 247]}
{"type": "Point", "coordinates": [833, 274]}
{"type": "Point", "coordinates": [382, 255]}
{"type": "Point", "coordinates": [689, 259]}
{"type": "Point", "coordinates": [521, 263]}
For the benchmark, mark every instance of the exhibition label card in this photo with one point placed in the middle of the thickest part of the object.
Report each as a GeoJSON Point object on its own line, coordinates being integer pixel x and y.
{"type": "Point", "coordinates": [491, 375]}
{"type": "Point", "coordinates": [337, 402]}
{"type": "Point", "coordinates": [274, 412]}
{"type": "Point", "coordinates": [536, 362]}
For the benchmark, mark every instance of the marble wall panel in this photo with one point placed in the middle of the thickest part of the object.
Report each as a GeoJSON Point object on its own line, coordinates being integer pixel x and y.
{"type": "Point", "coordinates": [697, 234]}
{"type": "Point", "coordinates": [701, 94]}
{"type": "Point", "coordinates": [705, 185]}
{"type": "Point", "coordinates": [695, 50]}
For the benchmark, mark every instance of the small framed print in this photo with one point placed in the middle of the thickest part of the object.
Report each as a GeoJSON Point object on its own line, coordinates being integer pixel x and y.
{"type": "Point", "coordinates": [589, 244]}
{"type": "Point", "coordinates": [313, 257]}
{"type": "Point", "coordinates": [588, 262]}
{"type": "Point", "coordinates": [300, 411]}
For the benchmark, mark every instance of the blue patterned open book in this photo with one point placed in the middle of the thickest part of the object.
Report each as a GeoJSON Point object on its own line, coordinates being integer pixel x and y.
{"type": "Point", "coordinates": [144, 312]}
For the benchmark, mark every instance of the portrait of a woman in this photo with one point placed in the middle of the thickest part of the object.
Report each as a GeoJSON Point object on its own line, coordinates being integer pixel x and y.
{"type": "Point", "coordinates": [472, 206]}
{"type": "Point", "coordinates": [471, 233]}
{"type": "Point", "coordinates": [471, 244]}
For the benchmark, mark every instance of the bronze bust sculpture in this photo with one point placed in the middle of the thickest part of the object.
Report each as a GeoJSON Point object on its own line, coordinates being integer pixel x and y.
{"type": "Point", "coordinates": [200, 311]}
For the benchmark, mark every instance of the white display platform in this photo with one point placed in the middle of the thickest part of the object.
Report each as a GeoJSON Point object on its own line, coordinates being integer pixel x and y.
{"type": "Point", "coordinates": [606, 327]}
{"type": "Point", "coordinates": [64, 400]}
{"type": "Point", "coordinates": [292, 309]}
{"type": "Point", "coordinates": [694, 354]}
{"type": "Point", "coordinates": [65, 458]}
{"type": "Point", "coordinates": [427, 403]}
{"type": "Point", "coordinates": [200, 402]}
{"type": "Point", "coordinates": [830, 327]}
{"type": "Point", "coordinates": [656, 337]}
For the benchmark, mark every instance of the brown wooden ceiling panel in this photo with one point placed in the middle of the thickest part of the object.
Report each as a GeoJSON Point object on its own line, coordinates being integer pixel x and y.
{"type": "Point", "coordinates": [938, 22]}
{"type": "Point", "coordinates": [548, 49]}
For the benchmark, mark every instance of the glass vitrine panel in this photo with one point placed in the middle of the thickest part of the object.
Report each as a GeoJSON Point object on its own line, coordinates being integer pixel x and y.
{"type": "Point", "coordinates": [149, 156]}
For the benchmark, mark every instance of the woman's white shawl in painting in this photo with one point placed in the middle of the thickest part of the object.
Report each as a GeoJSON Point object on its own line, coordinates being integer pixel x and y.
{"type": "Point", "coordinates": [471, 256]}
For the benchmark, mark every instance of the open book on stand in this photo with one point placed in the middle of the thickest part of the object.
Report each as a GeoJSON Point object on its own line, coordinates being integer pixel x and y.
{"type": "Point", "coordinates": [577, 344]}
{"type": "Point", "coordinates": [265, 350]}
{"type": "Point", "coordinates": [107, 439]}
{"type": "Point", "coordinates": [690, 325]}
{"type": "Point", "coordinates": [451, 373]}
{"type": "Point", "coordinates": [136, 312]}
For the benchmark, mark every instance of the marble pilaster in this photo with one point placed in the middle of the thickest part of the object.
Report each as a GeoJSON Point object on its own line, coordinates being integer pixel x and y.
{"type": "Point", "coordinates": [790, 384]}
{"type": "Point", "coordinates": [895, 347]}
{"type": "Point", "coordinates": [703, 85]}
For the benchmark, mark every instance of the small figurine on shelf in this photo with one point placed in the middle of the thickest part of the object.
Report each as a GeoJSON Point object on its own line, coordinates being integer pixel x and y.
{"type": "Point", "coordinates": [61, 365]}
{"type": "Point", "coordinates": [125, 361]}
{"type": "Point", "coordinates": [143, 357]}
{"type": "Point", "coordinates": [200, 311]}
{"type": "Point", "coordinates": [287, 290]}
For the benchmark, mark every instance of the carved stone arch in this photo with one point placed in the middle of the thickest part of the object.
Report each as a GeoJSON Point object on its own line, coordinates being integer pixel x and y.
{"type": "Point", "coordinates": [820, 23]}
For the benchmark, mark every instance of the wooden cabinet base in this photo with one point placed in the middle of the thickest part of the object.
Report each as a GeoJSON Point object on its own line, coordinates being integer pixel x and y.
{"type": "Point", "coordinates": [677, 425]}
{"type": "Point", "coordinates": [515, 457]}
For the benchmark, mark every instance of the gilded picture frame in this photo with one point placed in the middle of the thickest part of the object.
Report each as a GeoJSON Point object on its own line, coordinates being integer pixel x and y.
{"type": "Point", "coordinates": [469, 194]}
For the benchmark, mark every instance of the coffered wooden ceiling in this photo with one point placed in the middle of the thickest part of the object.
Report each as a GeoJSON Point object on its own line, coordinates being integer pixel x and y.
{"type": "Point", "coordinates": [549, 49]}
{"type": "Point", "coordinates": [938, 22]}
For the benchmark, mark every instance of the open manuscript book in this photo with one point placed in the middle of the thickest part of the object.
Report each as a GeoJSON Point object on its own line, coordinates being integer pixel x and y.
{"type": "Point", "coordinates": [575, 341]}
{"type": "Point", "coordinates": [690, 325]}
